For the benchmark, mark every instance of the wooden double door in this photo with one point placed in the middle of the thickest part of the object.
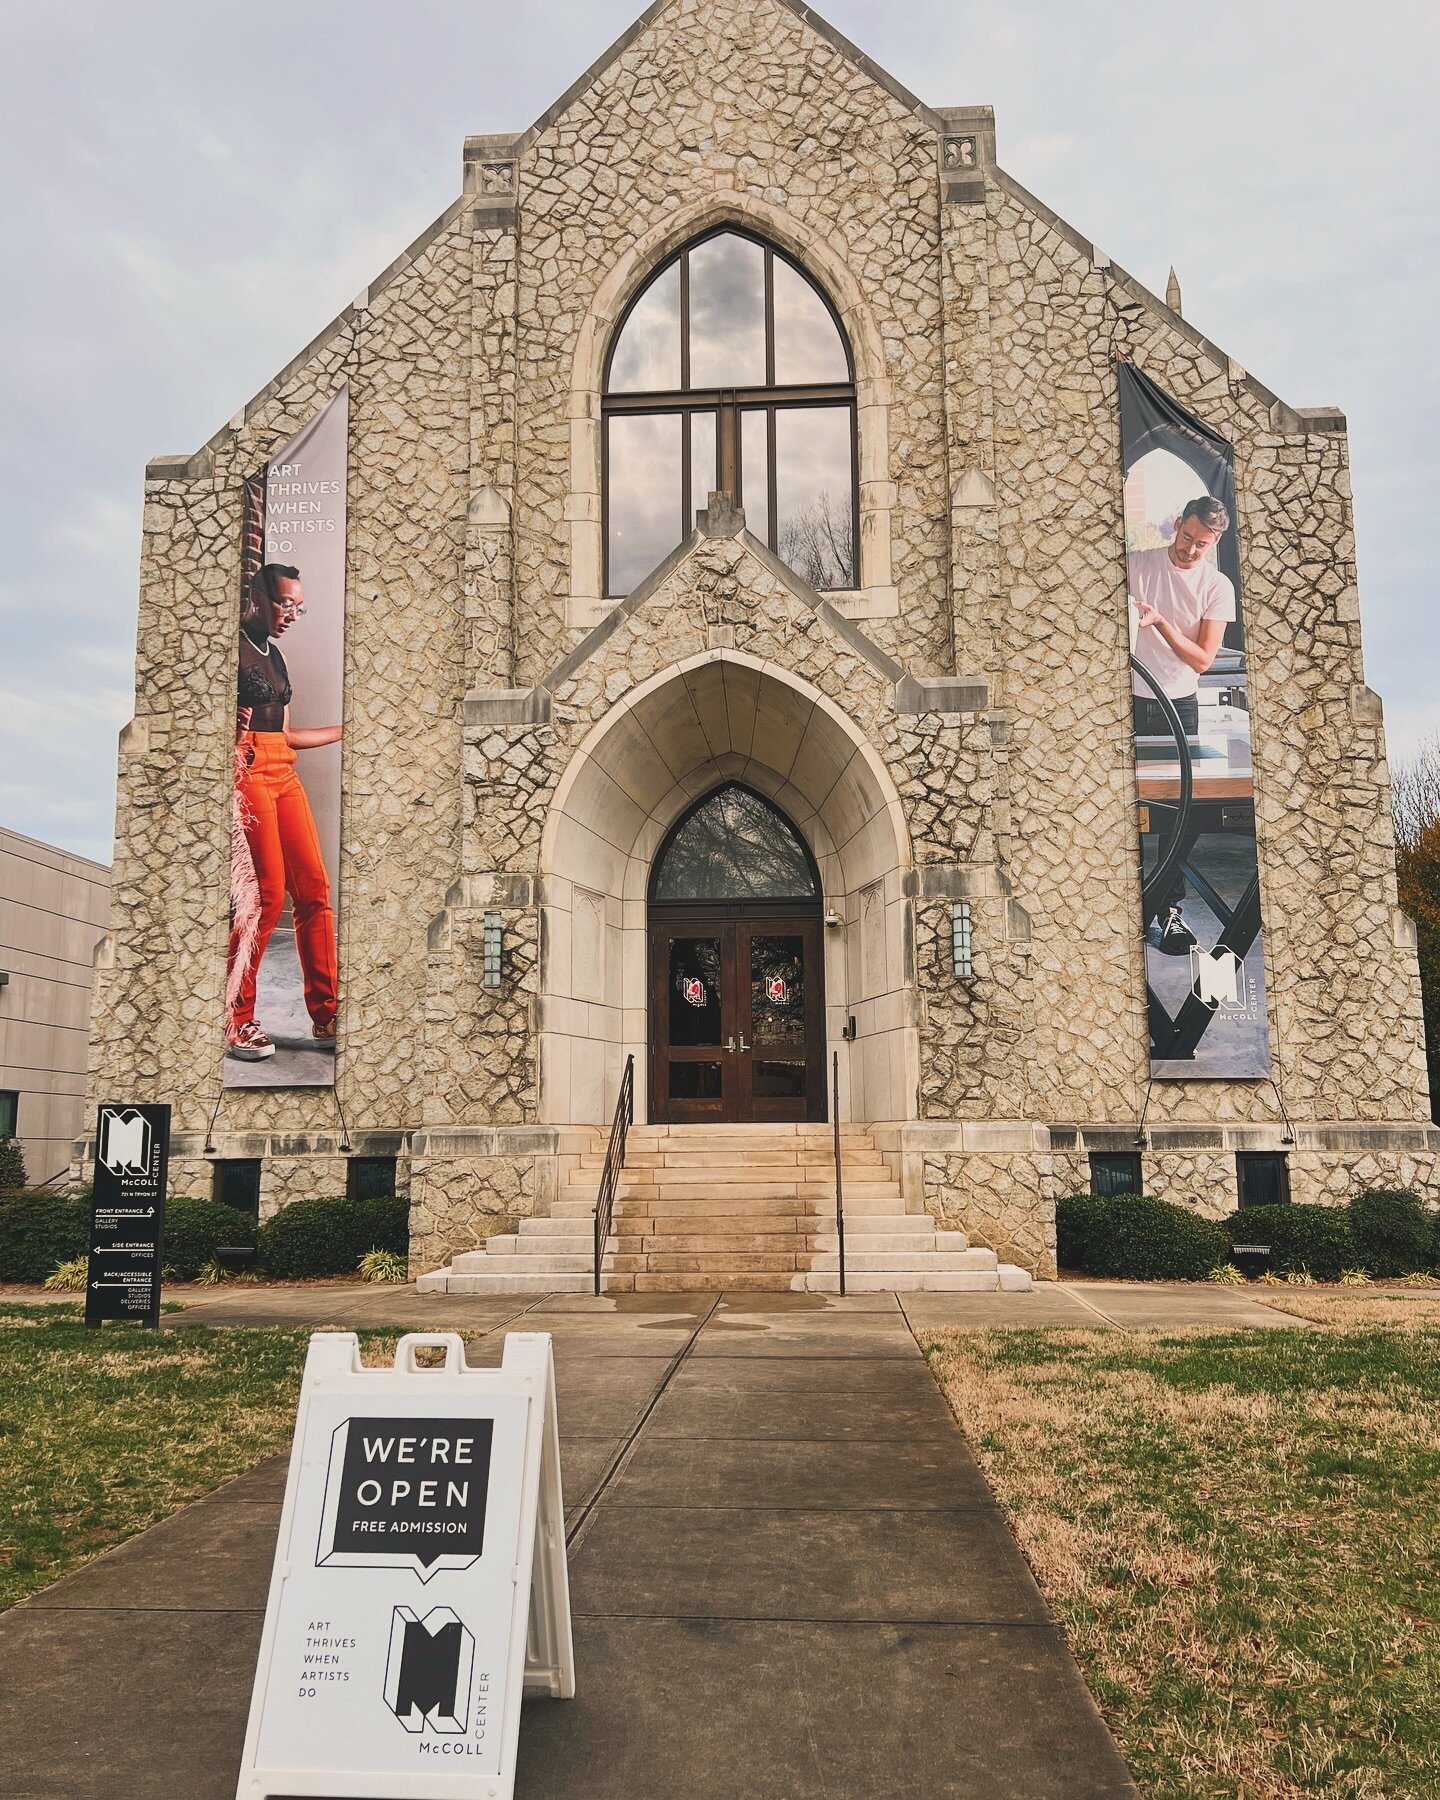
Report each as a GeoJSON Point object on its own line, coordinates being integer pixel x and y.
{"type": "Point", "coordinates": [737, 1015]}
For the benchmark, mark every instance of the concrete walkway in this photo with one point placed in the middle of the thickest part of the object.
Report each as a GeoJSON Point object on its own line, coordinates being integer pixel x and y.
{"type": "Point", "coordinates": [788, 1576]}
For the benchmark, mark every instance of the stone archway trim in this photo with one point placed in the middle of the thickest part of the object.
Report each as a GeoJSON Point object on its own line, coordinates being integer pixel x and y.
{"type": "Point", "coordinates": [584, 754]}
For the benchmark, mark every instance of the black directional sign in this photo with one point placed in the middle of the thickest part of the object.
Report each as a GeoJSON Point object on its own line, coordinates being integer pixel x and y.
{"type": "Point", "coordinates": [132, 1156]}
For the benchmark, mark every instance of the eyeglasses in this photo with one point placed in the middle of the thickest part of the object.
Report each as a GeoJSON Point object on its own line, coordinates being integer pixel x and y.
{"type": "Point", "coordinates": [289, 609]}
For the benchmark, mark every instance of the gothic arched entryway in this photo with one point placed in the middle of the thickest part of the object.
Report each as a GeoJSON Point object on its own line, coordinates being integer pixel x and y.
{"type": "Point", "coordinates": [737, 988]}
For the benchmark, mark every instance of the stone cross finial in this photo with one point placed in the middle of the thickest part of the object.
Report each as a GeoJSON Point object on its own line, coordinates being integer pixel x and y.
{"type": "Point", "coordinates": [1172, 291]}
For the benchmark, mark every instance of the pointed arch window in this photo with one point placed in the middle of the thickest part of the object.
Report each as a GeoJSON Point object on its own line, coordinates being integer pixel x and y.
{"type": "Point", "coordinates": [731, 371]}
{"type": "Point", "coordinates": [734, 845]}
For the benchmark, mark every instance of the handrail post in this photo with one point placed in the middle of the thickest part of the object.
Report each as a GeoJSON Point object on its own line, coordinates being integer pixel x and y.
{"type": "Point", "coordinates": [839, 1185]}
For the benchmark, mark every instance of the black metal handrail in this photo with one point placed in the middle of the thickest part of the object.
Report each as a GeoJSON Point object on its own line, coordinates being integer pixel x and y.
{"type": "Point", "coordinates": [839, 1182]}
{"type": "Point", "coordinates": [614, 1163]}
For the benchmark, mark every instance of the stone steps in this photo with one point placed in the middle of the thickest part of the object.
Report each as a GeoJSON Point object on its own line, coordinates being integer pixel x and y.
{"type": "Point", "coordinates": [751, 1208]}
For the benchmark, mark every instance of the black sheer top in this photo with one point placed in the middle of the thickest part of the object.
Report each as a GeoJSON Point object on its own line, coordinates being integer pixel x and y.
{"type": "Point", "coordinates": [264, 684]}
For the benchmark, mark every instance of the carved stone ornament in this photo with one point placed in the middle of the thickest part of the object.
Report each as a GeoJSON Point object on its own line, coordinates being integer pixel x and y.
{"type": "Point", "coordinates": [959, 153]}
{"type": "Point", "coordinates": [495, 178]}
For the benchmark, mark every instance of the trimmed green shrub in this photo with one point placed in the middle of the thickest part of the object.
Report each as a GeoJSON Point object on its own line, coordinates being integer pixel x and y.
{"type": "Point", "coordinates": [1392, 1232]}
{"type": "Point", "coordinates": [1135, 1238]}
{"type": "Point", "coordinates": [1075, 1215]}
{"type": "Point", "coordinates": [329, 1237]}
{"type": "Point", "coordinates": [12, 1166]}
{"type": "Point", "coordinates": [195, 1230]}
{"type": "Point", "coordinates": [39, 1231]}
{"type": "Point", "coordinates": [1314, 1238]}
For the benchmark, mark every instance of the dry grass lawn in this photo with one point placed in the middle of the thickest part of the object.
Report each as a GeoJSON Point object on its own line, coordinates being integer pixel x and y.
{"type": "Point", "coordinates": [103, 1433]}
{"type": "Point", "coordinates": [1238, 1532]}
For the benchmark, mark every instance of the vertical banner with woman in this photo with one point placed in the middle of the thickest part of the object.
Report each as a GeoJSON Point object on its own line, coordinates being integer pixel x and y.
{"type": "Point", "coordinates": [1204, 950]}
{"type": "Point", "coordinates": [282, 983]}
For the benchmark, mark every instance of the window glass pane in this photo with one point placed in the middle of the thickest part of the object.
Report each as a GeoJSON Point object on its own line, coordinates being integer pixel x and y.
{"type": "Point", "coordinates": [755, 474]}
{"type": "Point", "coordinates": [237, 1184]}
{"type": "Point", "coordinates": [777, 990]}
{"type": "Point", "coordinates": [9, 1111]}
{"type": "Point", "coordinates": [695, 991]}
{"type": "Point", "coordinates": [1115, 1174]}
{"type": "Point", "coordinates": [734, 846]}
{"type": "Point", "coordinates": [704, 472]}
{"type": "Point", "coordinates": [372, 1178]}
{"type": "Point", "coordinates": [813, 483]}
{"type": "Point", "coordinates": [808, 347]}
{"type": "Point", "coordinates": [644, 478]}
{"type": "Point", "coordinates": [1261, 1178]}
{"type": "Point", "coordinates": [727, 313]}
{"type": "Point", "coordinates": [647, 356]}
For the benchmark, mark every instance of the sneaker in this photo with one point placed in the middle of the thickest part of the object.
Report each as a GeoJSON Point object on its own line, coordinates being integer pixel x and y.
{"type": "Point", "coordinates": [248, 1043]}
{"type": "Point", "coordinates": [324, 1035]}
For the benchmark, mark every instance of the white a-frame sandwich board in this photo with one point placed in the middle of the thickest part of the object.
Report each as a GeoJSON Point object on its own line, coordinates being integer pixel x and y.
{"type": "Point", "coordinates": [420, 1583]}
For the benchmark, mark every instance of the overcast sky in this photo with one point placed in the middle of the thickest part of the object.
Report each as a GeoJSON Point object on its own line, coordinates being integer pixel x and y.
{"type": "Point", "coordinates": [191, 191]}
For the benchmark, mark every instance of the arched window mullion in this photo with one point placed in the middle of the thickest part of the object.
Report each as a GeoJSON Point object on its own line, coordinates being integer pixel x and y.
{"type": "Point", "coordinates": [811, 487]}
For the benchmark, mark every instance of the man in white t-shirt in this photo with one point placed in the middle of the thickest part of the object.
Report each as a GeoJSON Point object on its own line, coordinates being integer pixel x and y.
{"type": "Point", "coordinates": [1182, 605]}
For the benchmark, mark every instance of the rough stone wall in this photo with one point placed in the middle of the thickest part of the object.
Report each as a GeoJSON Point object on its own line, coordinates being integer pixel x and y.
{"type": "Point", "coordinates": [459, 1202]}
{"type": "Point", "coordinates": [1004, 1203]}
{"type": "Point", "coordinates": [1343, 995]}
{"type": "Point", "coordinates": [715, 94]}
{"type": "Point", "coordinates": [157, 1023]}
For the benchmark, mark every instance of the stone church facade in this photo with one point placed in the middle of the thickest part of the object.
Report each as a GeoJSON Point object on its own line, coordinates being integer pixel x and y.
{"type": "Point", "coordinates": [947, 723]}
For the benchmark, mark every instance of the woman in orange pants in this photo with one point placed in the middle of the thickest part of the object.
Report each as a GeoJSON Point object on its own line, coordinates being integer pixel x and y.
{"type": "Point", "coordinates": [279, 829]}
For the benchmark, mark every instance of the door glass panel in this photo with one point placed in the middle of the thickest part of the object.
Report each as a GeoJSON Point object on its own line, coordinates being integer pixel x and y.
{"type": "Point", "coordinates": [779, 1081]}
{"type": "Point", "coordinates": [812, 494]}
{"type": "Point", "coordinates": [777, 991]}
{"type": "Point", "coordinates": [644, 453]}
{"type": "Point", "coordinates": [694, 992]}
{"type": "Point", "coordinates": [695, 1081]}
{"type": "Point", "coordinates": [727, 313]}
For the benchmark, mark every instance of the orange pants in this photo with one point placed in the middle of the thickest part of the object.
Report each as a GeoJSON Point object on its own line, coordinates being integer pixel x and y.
{"type": "Point", "coordinates": [285, 848]}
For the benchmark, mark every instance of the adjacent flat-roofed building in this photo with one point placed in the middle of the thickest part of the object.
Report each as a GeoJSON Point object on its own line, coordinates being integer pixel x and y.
{"type": "Point", "coordinates": [53, 908]}
{"type": "Point", "coordinates": [799, 614]}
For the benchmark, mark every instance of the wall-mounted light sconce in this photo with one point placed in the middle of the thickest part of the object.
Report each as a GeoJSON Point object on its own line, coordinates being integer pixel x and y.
{"type": "Point", "coordinates": [4, 978]}
{"type": "Point", "coordinates": [961, 944]}
{"type": "Point", "coordinates": [491, 944]}
{"type": "Point", "coordinates": [832, 918]}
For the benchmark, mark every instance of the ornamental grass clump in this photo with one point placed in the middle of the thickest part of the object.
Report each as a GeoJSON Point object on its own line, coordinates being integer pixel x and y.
{"type": "Point", "coordinates": [70, 1277]}
{"type": "Point", "coordinates": [384, 1265]}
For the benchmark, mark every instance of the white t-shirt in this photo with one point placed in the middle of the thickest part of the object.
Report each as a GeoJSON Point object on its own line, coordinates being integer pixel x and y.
{"type": "Point", "coordinates": [1183, 597]}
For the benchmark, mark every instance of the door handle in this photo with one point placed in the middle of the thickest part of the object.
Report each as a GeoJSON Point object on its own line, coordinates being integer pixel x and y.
{"type": "Point", "coordinates": [730, 1045]}
{"type": "Point", "coordinates": [743, 1044]}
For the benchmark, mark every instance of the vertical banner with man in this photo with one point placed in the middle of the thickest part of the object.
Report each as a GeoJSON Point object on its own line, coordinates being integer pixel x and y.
{"type": "Point", "coordinates": [1204, 951]}
{"type": "Point", "coordinates": [282, 983]}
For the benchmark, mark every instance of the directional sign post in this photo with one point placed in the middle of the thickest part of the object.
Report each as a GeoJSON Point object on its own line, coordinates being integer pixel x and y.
{"type": "Point", "coordinates": [127, 1225]}
{"type": "Point", "coordinates": [420, 1584]}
